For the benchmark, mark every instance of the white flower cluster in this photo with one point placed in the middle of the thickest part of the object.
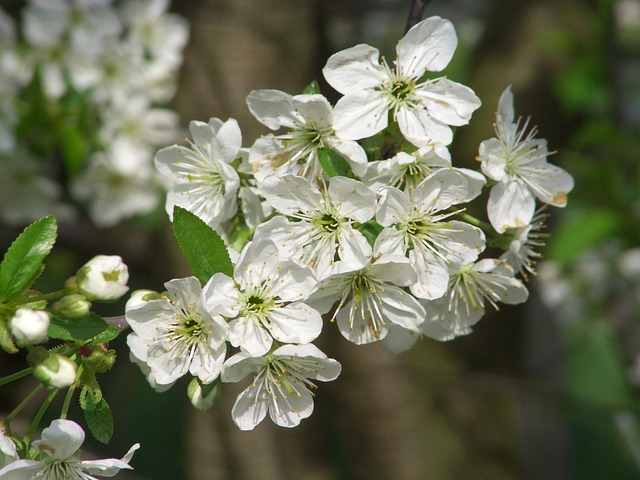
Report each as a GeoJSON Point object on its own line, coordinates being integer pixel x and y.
{"type": "Point", "coordinates": [119, 62]}
{"type": "Point", "coordinates": [379, 245]}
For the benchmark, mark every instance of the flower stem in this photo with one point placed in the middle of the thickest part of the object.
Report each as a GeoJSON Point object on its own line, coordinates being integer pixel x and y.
{"type": "Point", "coordinates": [23, 404]}
{"type": "Point", "coordinates": [69, 395]}
{"type": "Point", "coordinates": [40, 414]}
{"type": "Point", "coordinates": [47, 296]}
{"type": "Point", "coordinates": [16, 376]}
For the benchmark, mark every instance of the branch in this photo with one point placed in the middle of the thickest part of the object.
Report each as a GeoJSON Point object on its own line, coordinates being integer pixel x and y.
{"type": "Point", "coordinates": [416, 12]}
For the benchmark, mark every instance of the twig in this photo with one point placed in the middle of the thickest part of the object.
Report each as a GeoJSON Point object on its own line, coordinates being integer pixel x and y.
{"type": "Point", "coordinates": [416, 11]}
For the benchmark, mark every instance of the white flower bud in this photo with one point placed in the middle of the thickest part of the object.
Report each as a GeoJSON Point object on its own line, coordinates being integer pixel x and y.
{"type": "Point", "coordinates": [8, 451]}
{"type": "Point", "coordinates": [30, 327]}
{"type": "Point", "coordinates": [56, 371]}
{"type": "Point", "coordinates": [104, 277]}
{"type": "Point", "coordinates": [204, 396]}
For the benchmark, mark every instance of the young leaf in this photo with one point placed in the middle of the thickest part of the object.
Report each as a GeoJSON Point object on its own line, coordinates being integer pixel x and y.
{"type": "Point", "coordinates": [6, 341]}
{"type": "Point", "coordinates": [99, 420]}
{"type": "Point", "coordinates": [90, 327]}
{"type": "Point", "coordinates": [22, 263]}
{"type": "Point", "coordinates": [203, 248]}
{"type": "Point", "coordinates": [333, 163]}
{"type": "Point", "coordinates": [312, 88]}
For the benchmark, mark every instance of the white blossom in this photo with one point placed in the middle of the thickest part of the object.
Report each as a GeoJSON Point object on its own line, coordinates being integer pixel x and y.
{"type": "Point", "coordinates": [417, 224]}
{"type": "Point", "coordinates": [424, 109]}
{"type": "Point", "coordinates": [518, 162]}
{"type": "Point", "coordinates": [282, 386]}
{"type": "Point", "coordinates": [324, 222]}
{"type": "Point", "coordinates": [180, 335]}
{"type": "Point", "coordinates": [264, 300]}
{"type": "Point", "coordinates": [309, 119]}
{"type": "Point", "coordinates": [471, 286]}
{"type": "Point", "coordinates": [203, 179]}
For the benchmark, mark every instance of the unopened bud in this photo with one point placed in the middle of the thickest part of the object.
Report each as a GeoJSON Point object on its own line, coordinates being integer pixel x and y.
{"type": "Point", "coordinates": [140, 297]}
{"type": "Point", "coordinates": [74, 306]}
{"type": "Point", "coordinates": [202, 396]}
{"type": "Point", "coordinates": [56, 371]}
{"type": "Point", "coordinates": [30, 327]}
{"type": "Point", "coordinates": [104, 277]}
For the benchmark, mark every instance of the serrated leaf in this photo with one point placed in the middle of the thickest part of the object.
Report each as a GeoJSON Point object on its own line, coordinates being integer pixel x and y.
{"type": "Point", "coordinates": [89, 327]}
{"type": "Point", "coordinates": [22, 263]}
{"type": "Point", "coordinates": [312, 88]}
{"type": "Point", "coordinates": [203, 248]}
{"type": "Point", "coordinates": [99, 420]}
{"type": "Point", "coordinates": [333, 163]}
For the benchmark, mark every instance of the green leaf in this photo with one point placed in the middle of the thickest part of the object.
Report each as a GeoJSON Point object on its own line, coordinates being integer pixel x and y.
{"type": "Point", "coordinates": [22, 263]}
{"type": "Point", "coordinates": [312, 88]}
{"type": "Point", "coordinates": [90, 327]}
{"type": "Point", "coordinates": [203, 248]}
{"type": "Point", "coordinates": [99, 420]}
{"type": "Point", "coordinates": [333, 163]}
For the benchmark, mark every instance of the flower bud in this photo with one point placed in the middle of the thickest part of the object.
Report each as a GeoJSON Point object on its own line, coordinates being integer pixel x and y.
{"type": "Point", "coordinates": [56, 371]}
{"type": "Point", "coordinates": [204, 396]}
{"type": "Point", "coordinates": [74, 306]}
{"type": "Point", "coordinates": [104, 277]}
{"type": "Point", "coordinates": [30, 327]}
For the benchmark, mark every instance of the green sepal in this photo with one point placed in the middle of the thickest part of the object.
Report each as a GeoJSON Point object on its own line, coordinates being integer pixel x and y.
{"type": "Point", "coordinates": [23, 262]}
{"type": "Point", "coordinates": [6, 341]}
{"type": "Point", "coordinates": [312, 88]}
{"type": "Point", "coordinates": [203, 248]}
{"type": "Point", "coordinates": [99, 420]}
{"type": "Point", "coordinates": [333, 163]}
{"type": "Point", "coordinates": [90, 392]}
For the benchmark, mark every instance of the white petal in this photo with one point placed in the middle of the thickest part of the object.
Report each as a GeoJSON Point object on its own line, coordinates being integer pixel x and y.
{"type": "Point", "coordinates": [292, 409]}
{"type": "Point", "coordinates": [61, 439]}
{"type": "Point", "coordinates": [510, 205]}
{"type": "Point", "coordinates": [274, 109]}
{"type": "Point", "coordinates": [355, 69]}
{"type": "Point", "coordinates": [352, 199]}
{"type": "Point", "coordinates": [399, 339]}
{"type": "Point", "coordinates": [360, 115]}
{"type": "Point", "coordinates": [291, 194]}
{"type": "Point", "coordinates": [295, 323]}
{"type": "Point", "coordinates": [352, 151]}
{"type": "Point", "coordinates": [246, 333]}
{"type": "Point", "coordinates": [428, 45]}
{"type": "Point", "coordinates": [394, 206]}
{"type": "Point", "coordinates": [220, 296]}
{"type": "Point", "coordinates": [421, 129]}
{"type": "Point", "coordinates": [449, 102]}
{"type": "Point", "coordinates": [248, 411]}
{"type": "Point", "coordinates": [353, 248]}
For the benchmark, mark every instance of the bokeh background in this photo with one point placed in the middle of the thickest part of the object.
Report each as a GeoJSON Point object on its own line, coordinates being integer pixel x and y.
{"type": "Point", "coordinates": [546, 390]}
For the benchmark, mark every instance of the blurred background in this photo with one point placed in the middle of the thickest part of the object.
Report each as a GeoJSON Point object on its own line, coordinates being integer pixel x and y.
{"type": "Point", "coordinates": [546, 390]}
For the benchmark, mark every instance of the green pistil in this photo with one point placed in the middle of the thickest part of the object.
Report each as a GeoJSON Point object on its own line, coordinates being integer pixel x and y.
{"type": "Point", "coordinates": [190, 327]}
{"type": "Point", "coordinates": [327, 222]}
{"type": "Point", "coordinates": [256, 304]}
{"type": "Point", "coordinates": [401, 89]}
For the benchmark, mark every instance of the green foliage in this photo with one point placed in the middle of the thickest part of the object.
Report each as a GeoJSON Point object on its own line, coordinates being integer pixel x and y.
{"type": "Point", "coordinates": [203, 248]}
{"type": "Point", "coordinates": [99, 420]}
{"type": "Point", "coordinates": [23, 261]}
{"type": "Point", "coordinates": [90, 328]}
{"type": "Point", "coordinates": [333, 163]}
